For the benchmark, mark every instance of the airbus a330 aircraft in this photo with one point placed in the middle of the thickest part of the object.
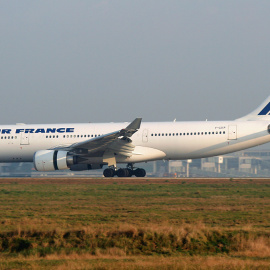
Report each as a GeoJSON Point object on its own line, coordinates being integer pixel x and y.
{"type": "Point", "coordinates": [90, 146]}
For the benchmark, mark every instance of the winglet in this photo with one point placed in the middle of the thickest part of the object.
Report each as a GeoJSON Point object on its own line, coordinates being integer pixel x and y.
{"type": "Point", "coordinates": [134, 124]}
{"type": "Point", "coordinates": [131, 128]}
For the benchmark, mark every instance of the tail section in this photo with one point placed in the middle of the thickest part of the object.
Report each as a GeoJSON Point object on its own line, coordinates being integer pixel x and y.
{"type": "Point", "coordinates": [262, 113]}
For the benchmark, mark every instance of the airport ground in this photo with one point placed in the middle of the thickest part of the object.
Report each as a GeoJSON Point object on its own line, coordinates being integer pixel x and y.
{"type": "Point", "coordinates": [134, 223]}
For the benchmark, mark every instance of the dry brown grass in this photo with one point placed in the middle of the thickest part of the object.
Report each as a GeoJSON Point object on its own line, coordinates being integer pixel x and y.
{"type": "Point", "coordinates": [167, 263]}
{"type": "Point", "coordinates": [113, 262]}
{"type": "Point", "coordinates": [254, 247]}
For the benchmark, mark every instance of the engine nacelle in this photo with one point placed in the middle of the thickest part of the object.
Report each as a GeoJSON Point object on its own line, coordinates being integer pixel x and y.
{"type": "Point", "coordinates": [52, 160]}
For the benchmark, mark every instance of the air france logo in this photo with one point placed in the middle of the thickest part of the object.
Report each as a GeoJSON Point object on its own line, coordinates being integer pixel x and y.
{"type": "Point", "coordinates": [265, 110]}
{"type": "Point", "coordinates": [38, 130]}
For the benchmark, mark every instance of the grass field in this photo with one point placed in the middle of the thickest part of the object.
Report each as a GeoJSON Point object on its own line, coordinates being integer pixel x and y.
{"type": "Point", "coordinates": [134, 223]}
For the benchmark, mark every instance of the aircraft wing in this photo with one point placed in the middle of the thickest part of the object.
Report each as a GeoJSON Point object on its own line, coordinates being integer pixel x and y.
{"type": "Point", "coordinates": [117, 142]}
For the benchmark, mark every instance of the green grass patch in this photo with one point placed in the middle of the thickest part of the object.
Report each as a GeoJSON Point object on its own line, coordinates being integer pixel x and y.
{"type": "Point", "coordinates": [43, 218]}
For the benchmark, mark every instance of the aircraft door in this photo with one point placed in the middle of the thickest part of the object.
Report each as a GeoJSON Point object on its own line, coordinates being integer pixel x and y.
{"type": "Point", "coordinates": [145, 135]}
{"type": "Point", "coordinates": [232, 132]}
{"type": "Point", "coordinates": [24, 139]}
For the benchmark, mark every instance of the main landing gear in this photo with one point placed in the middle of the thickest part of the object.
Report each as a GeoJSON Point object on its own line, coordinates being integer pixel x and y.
{"type": "Point", "coordinates": [124, 172]}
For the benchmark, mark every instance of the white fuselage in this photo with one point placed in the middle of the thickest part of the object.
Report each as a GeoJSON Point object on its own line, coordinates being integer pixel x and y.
{"type": "Point", "coordinates": [153, 141]}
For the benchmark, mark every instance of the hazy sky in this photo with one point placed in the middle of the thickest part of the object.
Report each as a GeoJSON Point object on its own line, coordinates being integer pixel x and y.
{"type": "Point", "coordinates": [104, 61]}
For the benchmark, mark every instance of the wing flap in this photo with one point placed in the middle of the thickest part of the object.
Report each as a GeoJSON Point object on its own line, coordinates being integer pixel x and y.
{"type": "Point", "coordinates": [121, 147]}
{"type": "Point", "coordinates": [117, 142]}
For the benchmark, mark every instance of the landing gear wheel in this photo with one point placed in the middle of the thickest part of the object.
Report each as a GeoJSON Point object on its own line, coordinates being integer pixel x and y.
{"type": "Point", "coordinates": [122, 173]}
{"type": "Point", "coordinates": [108, 172]}
{"type": "Point", "coordinates": [140, 172]}
{"type": "Point", "coordinates": [130, 172]}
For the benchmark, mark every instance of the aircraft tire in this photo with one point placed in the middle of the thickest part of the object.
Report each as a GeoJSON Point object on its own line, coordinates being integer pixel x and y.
{"type": "Point", "coordinates": [140, 172]}
{"type": "Point", "coordinates": [130, 172]}
{"type": "Point", "coordinates": [108, 172]}
{"type": "Point", "coordinates": [122, 173]}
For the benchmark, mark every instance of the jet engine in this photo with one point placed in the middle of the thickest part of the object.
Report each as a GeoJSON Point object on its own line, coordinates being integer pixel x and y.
{"type": "Point", "coordinates": [52, 160]}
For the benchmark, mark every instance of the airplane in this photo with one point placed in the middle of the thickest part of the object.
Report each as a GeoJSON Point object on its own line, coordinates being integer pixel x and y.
{"type": "Point", "coordinates": [79, 147]}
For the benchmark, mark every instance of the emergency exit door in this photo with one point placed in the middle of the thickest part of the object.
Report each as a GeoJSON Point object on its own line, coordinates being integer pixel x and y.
{"type": "Point", "coordinates": [24, 138]}
{"type": "Point", "coordinates": [145, 135]}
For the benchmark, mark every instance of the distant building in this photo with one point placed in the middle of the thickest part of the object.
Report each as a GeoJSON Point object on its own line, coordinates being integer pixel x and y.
{"type": "Point", "coordinates": [253, 162]}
